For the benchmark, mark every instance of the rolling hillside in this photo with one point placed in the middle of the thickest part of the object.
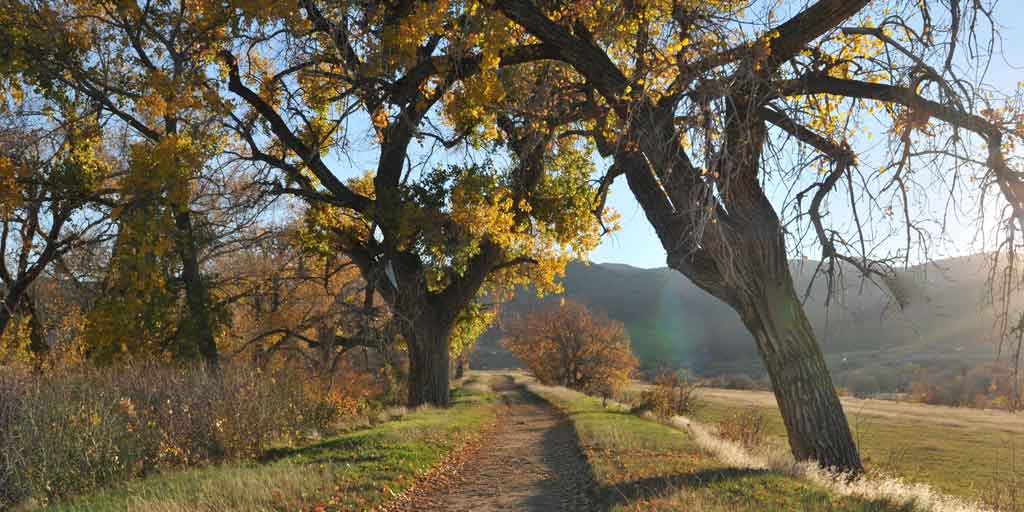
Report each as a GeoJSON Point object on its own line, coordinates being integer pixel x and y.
{"type": "Point", "coordinates": [673, 323]}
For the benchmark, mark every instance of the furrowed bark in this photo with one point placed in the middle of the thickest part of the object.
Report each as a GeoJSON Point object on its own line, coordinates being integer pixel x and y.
{"type": "Point", "coordinates": [429, 364]}
{"type": "Point", "coordinates": [815, 422]}
{"type": "Point", "coordinates": [770, 308]}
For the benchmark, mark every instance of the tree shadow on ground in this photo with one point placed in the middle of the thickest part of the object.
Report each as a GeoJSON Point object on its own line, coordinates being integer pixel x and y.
{"type": "Point", "coordinates": [660, 485]}
{"type": "Point", "coordinates": [331, 450]}
{"type": "Point", "coordinates": [574, 480]}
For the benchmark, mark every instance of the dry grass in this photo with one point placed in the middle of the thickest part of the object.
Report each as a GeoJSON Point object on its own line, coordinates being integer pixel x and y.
{"type": "Point", "coordinates": [748, 428]}
{"type": "Point", "coordinates": [642, 464]}
{"type": "Point", "coordinates": [358, 470]}
{"type": "Point", "coordinates": [75, 432]}
{"type": "Point", "coordinates": [916, 496]}
{"type": "Point", "coordinates": [989, 420]}
{"type": "Point", "coordinates": [968, 453]}
{"type": "Point", "coordinates": [770, 459]}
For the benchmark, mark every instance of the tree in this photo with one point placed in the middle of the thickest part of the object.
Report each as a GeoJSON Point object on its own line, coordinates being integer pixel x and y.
{"type": "Point", "coordinates": [50, 170]}
{"type": "Point", "coordinates": [700, 104]}
{"type": "Point", "coordinates": [566, 344]}
{"type": "Point", "coordinates": [143, 68]}
{"type": "Point", "coordinates": [290, 301]}
{"type": "Point", "coordinates": [429, 237]}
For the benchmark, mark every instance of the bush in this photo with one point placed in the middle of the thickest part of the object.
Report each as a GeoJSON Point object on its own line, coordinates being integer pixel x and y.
{"type": "Point", "coordinates": [71, 433]}
{"type": "Point", "coordinates": [982, 385]}
{"type": "Point", "coordinates": [568, 345]}
{"type": "Point", "coordinates": [672, 395]}
{"type": "Point", "coordinates": [748, 428]}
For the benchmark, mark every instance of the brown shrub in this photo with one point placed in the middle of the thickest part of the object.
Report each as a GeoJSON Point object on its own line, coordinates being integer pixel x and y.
{"type": "Point", "coordinates": [568, 345]}
{"type": "Point", "coordinates": [672, 395]}
{"type": "Point", "coordinates": [748, 428]}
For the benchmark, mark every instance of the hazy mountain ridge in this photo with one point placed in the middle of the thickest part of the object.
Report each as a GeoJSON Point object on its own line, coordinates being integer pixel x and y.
{"type": "Point", "coordinates": [674, 323]}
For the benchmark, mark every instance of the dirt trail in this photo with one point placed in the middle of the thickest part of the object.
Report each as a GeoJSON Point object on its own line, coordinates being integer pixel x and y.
{"type": "Point", "coordinates": [531, 463]}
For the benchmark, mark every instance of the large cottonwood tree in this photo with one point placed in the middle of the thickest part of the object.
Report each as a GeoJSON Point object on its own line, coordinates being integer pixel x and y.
{"type": "Point", "coordinates": [702, 101]}
{"type": "Point", "coordinates": [430, 235]}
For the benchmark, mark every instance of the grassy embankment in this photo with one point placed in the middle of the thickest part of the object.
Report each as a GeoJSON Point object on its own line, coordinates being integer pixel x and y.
{"type": "Point", "coordinates": [961, 452]}
{"type": "Point", "coordinates": [352, 471]}
{"type": "Point", "coordinates": [641, 464]}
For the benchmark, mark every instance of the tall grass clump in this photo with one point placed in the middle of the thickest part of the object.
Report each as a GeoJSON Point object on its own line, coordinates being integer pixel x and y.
{"type": "Point", "coordinates": [73, 432]}
{"type": "Point", "coordinates": [9, 405]}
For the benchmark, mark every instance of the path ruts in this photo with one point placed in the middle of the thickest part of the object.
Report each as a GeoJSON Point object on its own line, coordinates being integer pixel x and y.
{"type": "Point", "coordinates": [530, 463]}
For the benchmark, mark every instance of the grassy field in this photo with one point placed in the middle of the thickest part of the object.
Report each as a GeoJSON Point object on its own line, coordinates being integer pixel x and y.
{"type": "Point", "coordinates": [962, 452]}
{"type": "Point", "coordinates": [352, 471]}
{"type": "Point", "coordinates": [640, 464]}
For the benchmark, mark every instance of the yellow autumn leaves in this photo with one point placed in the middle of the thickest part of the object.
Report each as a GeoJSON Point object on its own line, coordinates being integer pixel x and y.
{"type": "Point", "coordinates": [9, 197]}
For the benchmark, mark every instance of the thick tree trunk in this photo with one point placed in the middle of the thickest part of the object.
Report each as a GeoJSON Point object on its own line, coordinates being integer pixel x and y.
{"type": "Point", "coordinates": [198, 320]}
{"type": "Point", "coordinates": [429, 364]}
{"type": "Point", "coordinates": [814, 418]}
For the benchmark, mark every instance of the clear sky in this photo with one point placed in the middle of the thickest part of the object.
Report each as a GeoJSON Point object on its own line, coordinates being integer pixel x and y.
{"type": "Point", "coordinates": [637, 245]}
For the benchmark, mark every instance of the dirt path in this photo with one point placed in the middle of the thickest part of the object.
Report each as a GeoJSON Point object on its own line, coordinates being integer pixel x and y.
{"type": "Point", "coordinates": [531, 463]}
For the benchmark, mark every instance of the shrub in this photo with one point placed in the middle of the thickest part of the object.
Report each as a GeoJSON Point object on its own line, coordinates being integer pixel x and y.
{"type": "Point", "coordinates": [982, 385]}
{"type": "Point", "coordinates": [671, 395]}
{"type": "Point", "coordinates": [70, 433]}
{"type": "Point", "coordinates": [568, 345]}
{"type": "Point", "coordinates": [748, 428]}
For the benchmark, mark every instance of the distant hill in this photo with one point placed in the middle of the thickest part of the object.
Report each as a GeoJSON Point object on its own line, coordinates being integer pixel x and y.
{"type": "Point", "coordinates": [673, 323]}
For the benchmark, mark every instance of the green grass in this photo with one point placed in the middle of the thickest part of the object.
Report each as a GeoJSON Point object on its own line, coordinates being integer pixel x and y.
{"type": "Point", "coordinates": [972, 463]}
{"type": "Point", "coordinates": [354, 471]}
{"type": "Point", "coordinates": [640, 464]}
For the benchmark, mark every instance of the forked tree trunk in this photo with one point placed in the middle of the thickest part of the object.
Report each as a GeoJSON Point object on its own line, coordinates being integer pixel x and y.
{"type": "Point", "coordinates": [814, 418]}
{"type": "Point", "coordinates": [745, 265]}
{"type": "Point", "coordinates": [429, 364]}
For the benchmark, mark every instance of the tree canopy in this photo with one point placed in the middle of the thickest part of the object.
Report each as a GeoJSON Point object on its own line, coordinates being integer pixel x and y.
{"type": "Point", "coordinates": [450, 150]}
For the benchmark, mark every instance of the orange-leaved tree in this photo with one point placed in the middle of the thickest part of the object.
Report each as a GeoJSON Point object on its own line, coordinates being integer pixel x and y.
{"type": "Point", "coordinates": [566, 344]}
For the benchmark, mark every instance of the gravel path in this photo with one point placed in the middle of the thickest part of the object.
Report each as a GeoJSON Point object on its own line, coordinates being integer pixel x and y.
{"type": "Point", "coordinates": [531, 463]}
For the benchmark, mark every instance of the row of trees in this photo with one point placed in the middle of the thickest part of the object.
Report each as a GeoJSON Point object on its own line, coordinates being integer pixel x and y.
{"type": "Point", "coordinates": [182, 122]}
{"type": "Point", "coordinates": [713, 111]}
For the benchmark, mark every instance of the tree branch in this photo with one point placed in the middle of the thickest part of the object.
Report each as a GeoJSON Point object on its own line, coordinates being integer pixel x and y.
{"type": "Point", "coordinates": [308, 155]}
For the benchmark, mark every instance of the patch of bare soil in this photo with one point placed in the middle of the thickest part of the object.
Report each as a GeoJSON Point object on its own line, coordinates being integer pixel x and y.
{"type": "Point", "coordinates": [531, 462]}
